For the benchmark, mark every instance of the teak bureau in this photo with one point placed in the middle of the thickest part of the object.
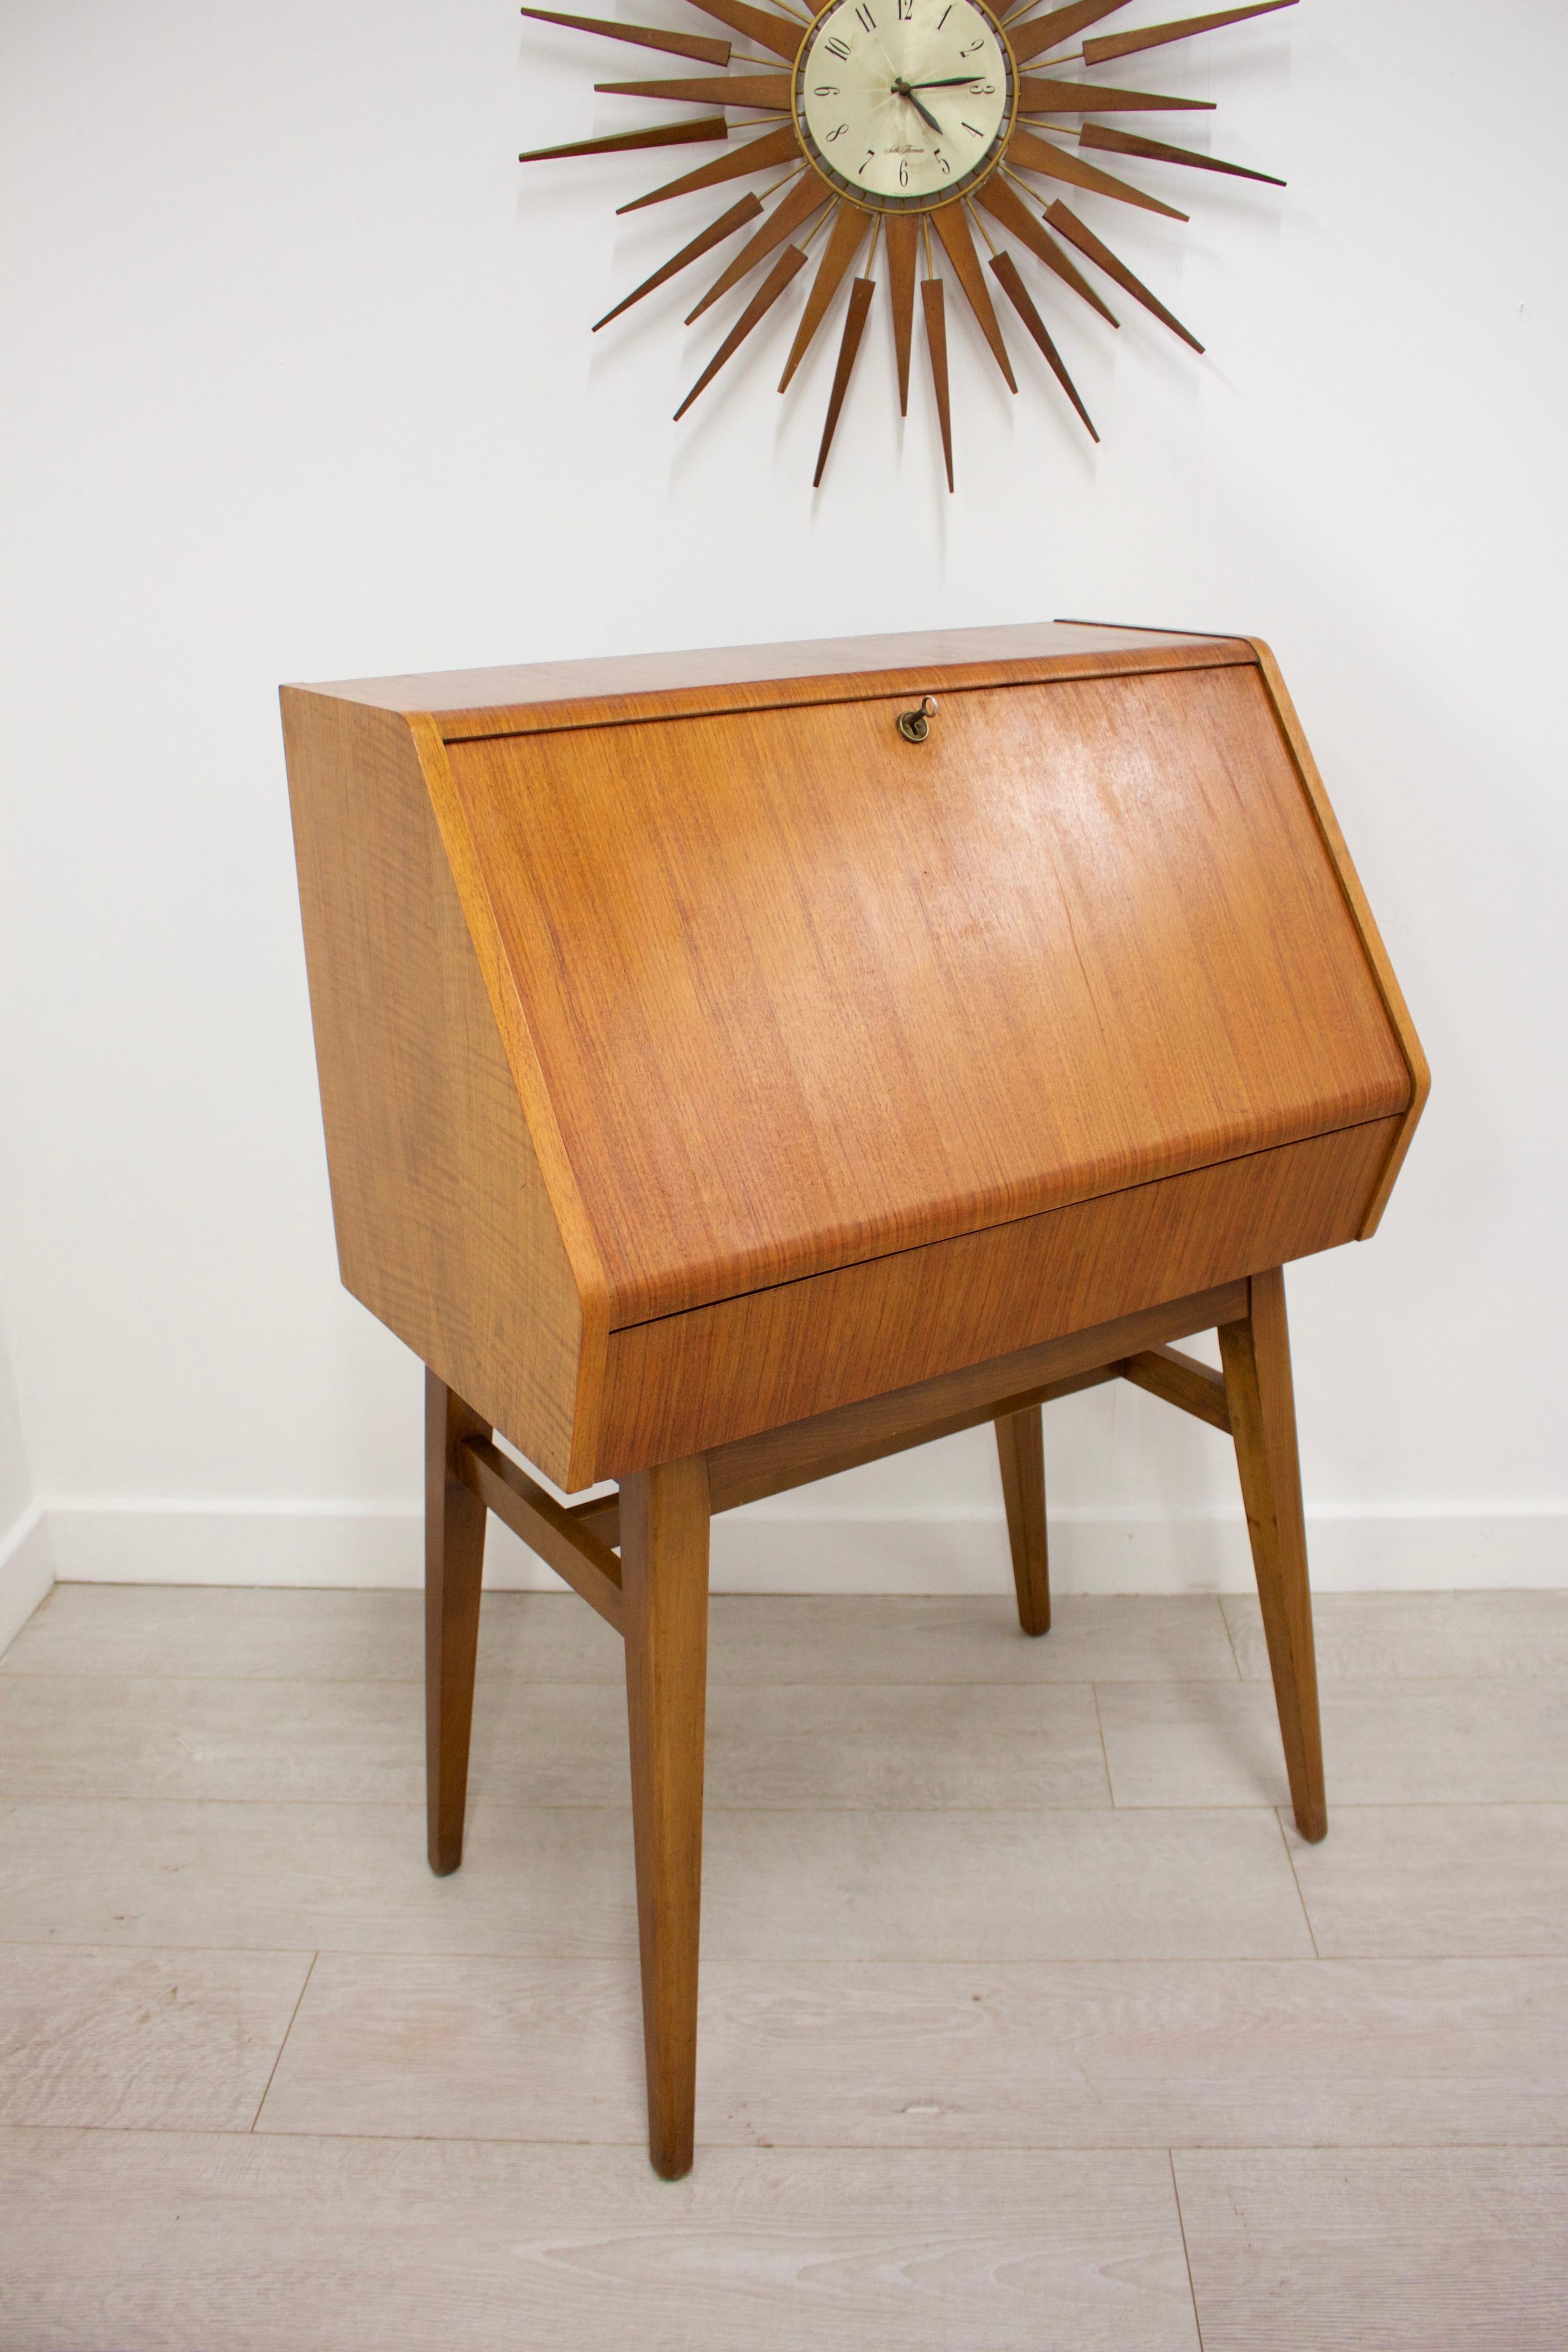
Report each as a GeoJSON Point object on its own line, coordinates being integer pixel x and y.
{"type": "Point", "coordinates": [735, 1068]}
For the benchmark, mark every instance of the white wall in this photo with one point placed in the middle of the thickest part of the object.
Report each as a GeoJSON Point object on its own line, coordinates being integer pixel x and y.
{"type": "Point", "coordinates": [25, 1571]}
{"type": "Point", "coordinates": [298, 384]}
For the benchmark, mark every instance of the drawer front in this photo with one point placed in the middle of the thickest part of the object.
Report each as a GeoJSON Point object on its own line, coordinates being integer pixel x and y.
{"type": "Point", "coordinates": [686, 1382]}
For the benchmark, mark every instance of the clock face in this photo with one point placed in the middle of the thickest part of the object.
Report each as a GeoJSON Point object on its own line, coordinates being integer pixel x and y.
{"type": "Point", "coordinates": [904, 104]}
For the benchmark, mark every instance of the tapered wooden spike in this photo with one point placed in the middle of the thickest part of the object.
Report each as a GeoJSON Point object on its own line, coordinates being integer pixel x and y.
{"type": "Point", "coordinates": [1027, 153]}
{"type": "Point", "coordinates": [903, 236]}
{"type": "Point", "coordinates": [1086, 242]}
{"type": "Point", "coordinates": [1007, 271]}
{"type": "Point", "coordinates": [708, 128]}
{"type": "Point", "coordinates": [643, 37]}
{"type": "Point", "coordinates": [1039, 94]}
{"type": "Point", "coordinates": [789, 261]}
{"type": "Point", "coordinates": [860, 295]}
{"type": "Point", "coordinates": [951, 222]}
{"type": "Point", "coordinates": [764, 155]}
{"type": "Point", "coordinates": [1156, 36]}
{"type": "Point", "coordinates": [1060, 24]}
{"type": "Point", "coordinates": [725, 225]}
{"type": "Point", "coordinates": [779, 35]}
{"type": "Point", "coordinates": [807, 197]}
{"type": "Point", "coordinates": [1003, 203]}
{"type": "Point", "coordinates": [933, 304]}
{"type": "Point", "coordinates": [704, 90]}
{"type": "Point", "coordinates": [1124, 143]}
{"type": "Point", "coordinates": [843, 243]}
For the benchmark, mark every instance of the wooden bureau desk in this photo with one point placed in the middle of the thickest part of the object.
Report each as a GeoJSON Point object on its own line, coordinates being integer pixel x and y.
{"type": "Point", "coordinates": [726, 1083]}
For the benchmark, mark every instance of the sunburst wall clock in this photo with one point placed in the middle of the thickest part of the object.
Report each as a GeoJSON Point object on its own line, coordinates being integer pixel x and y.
{"type": "Point", "coordinates": [916, 131]}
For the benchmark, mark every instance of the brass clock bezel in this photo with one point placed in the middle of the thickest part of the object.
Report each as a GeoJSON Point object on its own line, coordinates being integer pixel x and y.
{"type": "Point", "coordinates": [859, 197]}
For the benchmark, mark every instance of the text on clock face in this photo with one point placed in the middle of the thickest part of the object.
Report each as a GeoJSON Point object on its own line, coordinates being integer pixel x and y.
{"type": "Point", "coordinates": [904, 102]}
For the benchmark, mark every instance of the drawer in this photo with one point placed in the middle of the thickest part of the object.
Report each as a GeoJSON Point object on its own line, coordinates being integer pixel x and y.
{"type": "Point", "coordinates": [685, 1382]}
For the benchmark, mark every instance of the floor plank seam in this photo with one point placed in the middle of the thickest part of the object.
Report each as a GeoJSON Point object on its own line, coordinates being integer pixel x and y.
{"type": "Point", "coordinates": [635, 2142]}
{"type": "Point", "coordinates": [1296, 1881]}
{"type": "Point", "coordinates": [287, 2030]}
{"type": "Point", "coordinates": [1104, 1751]}
{"type": "Point", "coordinates": [1230, 1637]}
{"type": "Point", "coordinates": [1186, 2253]}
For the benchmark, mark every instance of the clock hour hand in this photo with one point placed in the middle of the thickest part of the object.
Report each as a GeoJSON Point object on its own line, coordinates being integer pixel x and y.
{"type": "Point", "coordinates": [901, 89]}
{"type": "Point", "coordinates": [953, 81]}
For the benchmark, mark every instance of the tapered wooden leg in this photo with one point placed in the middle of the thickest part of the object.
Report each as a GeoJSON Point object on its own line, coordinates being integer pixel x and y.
{"type": "Point", "coordinates": [1021, 1450]}
{"type": "Point", "coordinates": [454, 1566]}
{"type": "Point", "coordinates": [664, 1577]}
{"type": "Point", "coordinates": [1256, 1358]}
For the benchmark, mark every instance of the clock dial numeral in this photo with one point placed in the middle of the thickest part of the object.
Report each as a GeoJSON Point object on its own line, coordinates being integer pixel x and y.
{"type": "Point", "coordinates": [969, 51]}
{"type": "Point", "coordinates": [903, 171]}
{"type": "Point", "coordinates": [867, 19]}
{"type": "Point", "coordinates": [838, 49]}
{"type": "Point", "coordinates": [906, 12]}
{"type": "Point", "coordinates": [825, 89]}
{"type": "Point", "coordinates": [972, 131]}
{"type": "Point", "coordinates": [838, 134]}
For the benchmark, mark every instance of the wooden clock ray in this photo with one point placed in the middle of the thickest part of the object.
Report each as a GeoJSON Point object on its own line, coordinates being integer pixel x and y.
{"type": "Point", "coordinates": [913, 130]}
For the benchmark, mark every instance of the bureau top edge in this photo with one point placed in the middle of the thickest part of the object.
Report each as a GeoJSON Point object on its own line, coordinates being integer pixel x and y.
{"type": "Point", "coordinates": [534, 698]}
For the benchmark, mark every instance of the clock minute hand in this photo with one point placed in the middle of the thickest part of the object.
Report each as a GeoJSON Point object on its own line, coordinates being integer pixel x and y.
{"type": "Point", "coordinates": [901, 89]}
{"type": "Point", "coordinates": [955, 81]}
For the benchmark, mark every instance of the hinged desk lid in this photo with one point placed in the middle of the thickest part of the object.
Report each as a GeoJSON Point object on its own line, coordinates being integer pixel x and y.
{"type": "Point", "coordinates": [804, 993]}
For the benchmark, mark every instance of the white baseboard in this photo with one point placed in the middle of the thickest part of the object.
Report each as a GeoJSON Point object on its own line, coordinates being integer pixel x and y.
{"type": "Point", "coordinates": [764, 1549]}
{"type": "Point", "coordinates": [26, 1572]}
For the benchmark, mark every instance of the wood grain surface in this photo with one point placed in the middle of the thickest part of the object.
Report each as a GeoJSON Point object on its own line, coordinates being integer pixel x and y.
{"type": "Point", "coordinates": [617, 689]}
{"type": "Point", "coordinates": [1255, 1352]}
{"type": "Point", "coordinates": [1062, 217]}
{"type": "Point", "coordinates": [1106, 46]}
{"type": "Point", "coordinates": [1005, 269]}
{"type": "Point", "coordinates": [699, 1056]}
{"type": "Point", "coordinates": [749, 208]}
{"type": "Point", "coordinates": [951, 223]}
{"type": "Point", "coordinates": [799, 1452]}
{"type": "Point", "coordinates": [683, 1383]}
{"type": "Point", "coordinates": [1021, 1457]}
{"type": "Point", "coordinates": [901, 233]}
{"type": "Point", "coordinates": [444, 1227]}
{"type": "Point", "coordinates": [642, 36]}
{"type": "Point", "coordinates": [1001, 198]}
{"type": "Point", "coordinates": [807, 195]}
{"type": "Point", "coordinates": [455, 1523]}
{"type": "Point", "coordinates": [933, 309]}
{"type": "Point", "coordinates": [1361, 915]}
{"type": "Point", "coordinates": [805, 995]}
{"type": "Point", "coordinates": [664, 1552]}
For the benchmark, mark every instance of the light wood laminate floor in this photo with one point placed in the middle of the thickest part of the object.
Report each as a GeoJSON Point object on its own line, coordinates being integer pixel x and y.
{"type": "Point", "coordinates": [1027, 2019]}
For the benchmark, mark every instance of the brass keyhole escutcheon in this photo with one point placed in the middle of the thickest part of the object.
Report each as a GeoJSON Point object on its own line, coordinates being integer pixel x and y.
{"type": "Point", "coordinates": [914, 726]}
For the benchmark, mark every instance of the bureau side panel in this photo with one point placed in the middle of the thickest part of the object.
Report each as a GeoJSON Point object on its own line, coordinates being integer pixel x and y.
{"type": "Point", "coordinates": [1361, 915]}
{"type": "Point", "coordinates": [687, 1382]}
{"type": "Point", "coordinates": [444, 1227]}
